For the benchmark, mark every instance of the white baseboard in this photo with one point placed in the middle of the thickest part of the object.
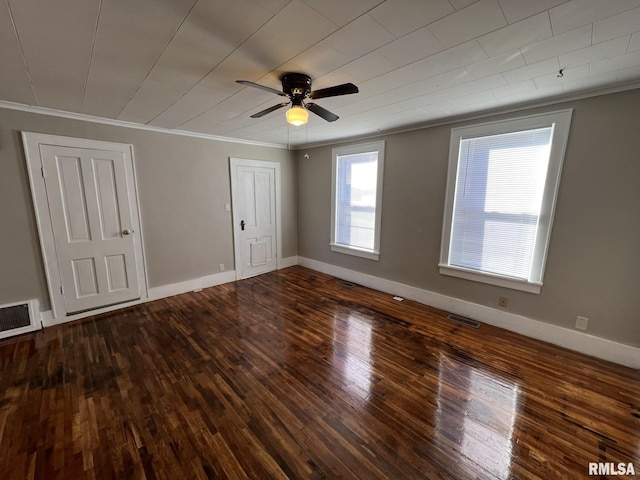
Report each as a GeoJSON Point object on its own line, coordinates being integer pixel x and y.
{"type": "Point", "coordinates": [580, 342]}
{"type": "Point", "coordinates": [48, 320]}
{"type": "Point", "coordinates": [165, 291]}
{"type": "Point", "coordinates": [155, 293]}
{"type": "Point", "coordinates": [288, 262]}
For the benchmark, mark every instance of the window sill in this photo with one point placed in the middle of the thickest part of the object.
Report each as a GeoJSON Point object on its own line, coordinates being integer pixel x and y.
{"type": "Point", "coordinates": [357, 252]}
{"type": "Point", "coordinates": [491, 279]}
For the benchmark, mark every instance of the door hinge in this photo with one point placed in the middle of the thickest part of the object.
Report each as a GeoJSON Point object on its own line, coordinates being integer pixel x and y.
{"type": "Point", "coordinates": [42, 171]}
{"type": "Point", "coordinates": [61, 290]}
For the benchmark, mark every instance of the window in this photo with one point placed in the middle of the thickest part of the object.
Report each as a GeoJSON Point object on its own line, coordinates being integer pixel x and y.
{"type": "Point", "coordinates": [357, 199]}
{"type": "Point", "coordinates": [501, 191]}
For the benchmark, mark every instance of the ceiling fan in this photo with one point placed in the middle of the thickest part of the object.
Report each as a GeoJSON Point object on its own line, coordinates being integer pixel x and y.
{"type": "Point", "coordinates": [297, 87]}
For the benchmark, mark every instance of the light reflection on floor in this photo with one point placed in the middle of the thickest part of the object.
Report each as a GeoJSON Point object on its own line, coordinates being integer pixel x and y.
{"type": "Point", "coordinates": [480, 424]}
{"type": "Point", "coordinates": [353, 338]}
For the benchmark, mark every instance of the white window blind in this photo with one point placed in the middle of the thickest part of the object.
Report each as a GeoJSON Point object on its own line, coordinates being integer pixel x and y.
{"type": "Point", "coordinates": [502, 186]}
{"type": "Point", "coordinates": [499, 191]}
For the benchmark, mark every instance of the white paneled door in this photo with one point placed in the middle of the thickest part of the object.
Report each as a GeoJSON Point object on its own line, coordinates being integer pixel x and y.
{"type": "Point", "coordinates": [90, 206]}
{"type": "Point", "coordinates": [255, 216]}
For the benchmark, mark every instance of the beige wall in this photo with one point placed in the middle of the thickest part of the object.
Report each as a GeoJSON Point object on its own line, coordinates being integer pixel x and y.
{"type": "Point", "coordinates": [183, 184]}
{"type": "Point", "coordinates": [593, 267]}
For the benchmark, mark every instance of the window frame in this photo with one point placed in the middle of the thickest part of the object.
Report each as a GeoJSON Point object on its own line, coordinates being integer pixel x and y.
{"type": "Point", "coordinates": [379, 147]}
{"type": "Point", "coordinates": [562, 121]}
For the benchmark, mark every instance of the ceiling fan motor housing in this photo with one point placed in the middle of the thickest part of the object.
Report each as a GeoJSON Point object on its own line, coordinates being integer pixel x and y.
{"type": "Point", "coordinates": [296, 85]}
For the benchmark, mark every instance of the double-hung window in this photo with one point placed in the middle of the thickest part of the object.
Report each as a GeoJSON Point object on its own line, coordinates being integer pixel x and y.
{"type": "Point", "coordinates": [501, 191]}
{"type": "Point", "coordinates": [357, 199]}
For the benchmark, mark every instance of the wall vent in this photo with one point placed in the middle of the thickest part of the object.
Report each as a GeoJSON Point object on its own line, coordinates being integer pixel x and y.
{"type": "Point", "coordinates": [17, 318]}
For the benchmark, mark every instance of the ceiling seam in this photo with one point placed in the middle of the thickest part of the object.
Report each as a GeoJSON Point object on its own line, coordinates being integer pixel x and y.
{"type": "Point", "coordinates": [372, 109]}
{"type": "Point", "coordinates": [552, 35]}
{"type": "Point", "coordinates": [415, 82]}
{"type": "Point", "coordinates": [396, 38]}
{"type": "Point", "coordinates": [491, 31]}
{"type": "Point", "coordinates": [216, 66]}
{"type": "Point", "coordinates": [505, 16]}
{"type": "Point", "coordinates": [350, 61]}
{"type": "Point", "coordinates": [93, 45]}
{"type": "Point", "coordinates": [276, 68]}
{"type": "Point", "coordinates": [300, 53]}
{"type": "Point", "coordinates": [24, 57]}
{"type": "Point", "coordinates": [553, 32]}
{"type": "Point", "coordinates": [184, 19]}
{"type": "Point", "coordinates": [435, 53]}
{"type": "Point", "coordinates": [350, 21]}
{"type": "Point", "coordinates": [355, 59]}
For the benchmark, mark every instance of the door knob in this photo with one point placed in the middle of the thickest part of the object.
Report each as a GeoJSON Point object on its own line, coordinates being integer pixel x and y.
{"type": "Point", "coordinates": [126, 231]}
{"type": "Point", "coordinates": [242, 224]}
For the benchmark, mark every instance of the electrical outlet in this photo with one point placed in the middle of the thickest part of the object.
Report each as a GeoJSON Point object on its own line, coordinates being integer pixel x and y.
{"type": "Point", "coordinates": [503, 302]}
{"type": "Point", "coordinates": [582, 323]}
{"type": "Point", "coordinates": [222, 267]}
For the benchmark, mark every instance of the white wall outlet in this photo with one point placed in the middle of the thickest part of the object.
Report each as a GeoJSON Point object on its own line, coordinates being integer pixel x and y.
{"type": "Point", "coordinates": [227, 207]}
{"type": "Point", "coordinates": [582, 323]}
{"type": "Point", "coordinates": [222, 267]}
{"type": "Point", "coordinates": [503, 302]}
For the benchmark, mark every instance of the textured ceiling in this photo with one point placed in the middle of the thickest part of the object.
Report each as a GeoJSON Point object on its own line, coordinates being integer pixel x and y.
{"type": "Point", "coordinates": [173, 63]}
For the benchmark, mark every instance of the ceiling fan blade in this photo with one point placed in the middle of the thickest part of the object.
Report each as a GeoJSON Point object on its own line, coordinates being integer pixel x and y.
{"type": "Point", "coordinates": [322, 112]}
{"type": "Point", "coordinates": [269, 110]}
{"type": "Point", "coordinates": [261, 87]}
{"type": "Point", "coordinates": [344, 89]}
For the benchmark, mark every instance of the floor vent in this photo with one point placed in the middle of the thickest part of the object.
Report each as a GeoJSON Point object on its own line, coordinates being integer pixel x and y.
{"type": "Point", "coordinates": [18, 318]}
{"type": "Point", "coordinates": [346, 283]}
{"type": "Point", "coordinates": [465, 321]}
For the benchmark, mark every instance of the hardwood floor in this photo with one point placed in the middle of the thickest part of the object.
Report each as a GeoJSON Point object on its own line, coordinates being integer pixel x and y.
{"type": "Point", "coordinates": [293, 375]}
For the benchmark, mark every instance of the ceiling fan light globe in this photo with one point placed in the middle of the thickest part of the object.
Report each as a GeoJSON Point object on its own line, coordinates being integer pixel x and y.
{"type": "Point", "coordinates": [297, 116]}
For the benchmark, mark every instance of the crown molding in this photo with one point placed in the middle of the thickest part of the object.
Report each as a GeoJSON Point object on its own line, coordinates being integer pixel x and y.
{"type": "Point", "coordinates": [412, 128]}
{"type": "Point", "coordinates": [517, 107]}
{"type": "Point", "coordinates": [121, 123]}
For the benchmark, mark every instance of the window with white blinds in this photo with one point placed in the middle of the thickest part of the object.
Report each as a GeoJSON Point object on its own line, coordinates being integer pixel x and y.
{"type": "Point", "coordinates": [503, 179]}
{"type": "Point", "coordinates": [356, 199]}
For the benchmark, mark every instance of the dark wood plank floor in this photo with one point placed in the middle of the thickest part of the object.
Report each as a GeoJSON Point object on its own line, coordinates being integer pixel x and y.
{"type": "Point", "coordinates": [293, 375]}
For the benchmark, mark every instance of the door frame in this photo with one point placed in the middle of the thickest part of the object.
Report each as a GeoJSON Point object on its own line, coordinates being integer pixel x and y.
{"type": "Point", "coordinates": [32, 142]}
{"type": "Point", "coordinates": [235, 162]}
